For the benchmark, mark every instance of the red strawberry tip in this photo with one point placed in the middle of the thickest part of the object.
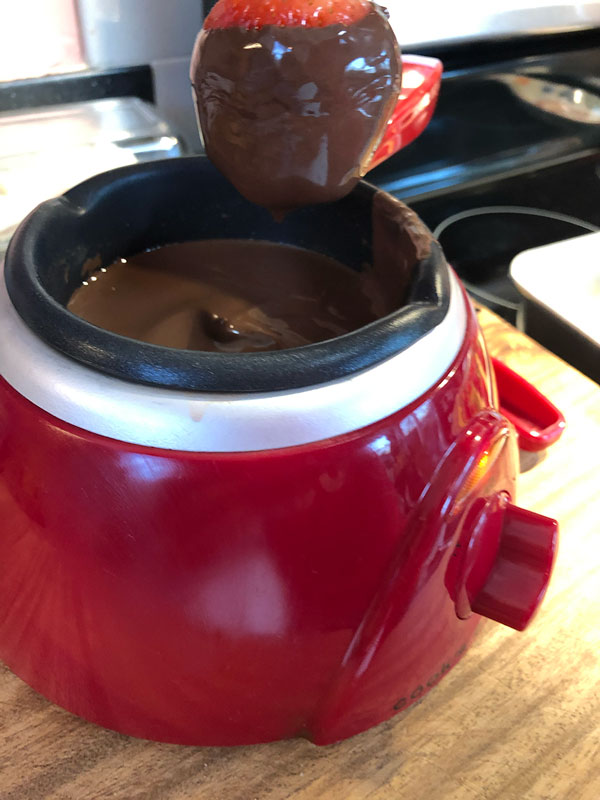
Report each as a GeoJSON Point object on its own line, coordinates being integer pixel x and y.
{"type": "Point", "coordinates": [285, 13]}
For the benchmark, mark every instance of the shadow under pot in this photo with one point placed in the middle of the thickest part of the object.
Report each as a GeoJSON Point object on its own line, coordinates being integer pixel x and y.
{"type": "Point", "coordinates": [220, 548]}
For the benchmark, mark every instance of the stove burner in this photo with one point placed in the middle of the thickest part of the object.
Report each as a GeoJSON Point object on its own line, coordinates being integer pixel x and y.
{"type": "Point", "coordinates": [483, 279]}
{"type": "Point", "coordinates": [533, 212]}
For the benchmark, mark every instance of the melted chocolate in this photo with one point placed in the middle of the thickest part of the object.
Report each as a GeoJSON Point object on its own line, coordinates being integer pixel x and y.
{"type": "Point", "coordinates": [292, 115]}
{"type": "Point", "coordinates": [230, 296]}
{"type": "Point", "coordinates": [240, 295]}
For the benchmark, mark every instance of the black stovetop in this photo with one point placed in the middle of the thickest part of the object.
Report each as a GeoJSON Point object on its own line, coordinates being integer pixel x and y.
{"type": "Point", "coordinates": [493, 175]}
{"type": "Point", "coordinates": [482, 228]}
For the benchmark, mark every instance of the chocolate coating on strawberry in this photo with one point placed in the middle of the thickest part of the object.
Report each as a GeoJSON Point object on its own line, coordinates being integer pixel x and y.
{"type": "Point", "coordinates": [291, 113]}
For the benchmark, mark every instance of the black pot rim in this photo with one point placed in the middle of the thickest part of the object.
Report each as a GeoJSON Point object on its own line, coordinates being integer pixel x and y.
{"type": "Point", "coordinates": [139, 362]}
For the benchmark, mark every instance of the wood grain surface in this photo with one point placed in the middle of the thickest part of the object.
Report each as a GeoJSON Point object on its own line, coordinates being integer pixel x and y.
{"type": "Point", "coordinates": [517, 719]}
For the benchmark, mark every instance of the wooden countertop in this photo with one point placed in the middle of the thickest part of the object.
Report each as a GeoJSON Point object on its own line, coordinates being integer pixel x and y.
{"type": "Point", "coordinates": [517, 719]}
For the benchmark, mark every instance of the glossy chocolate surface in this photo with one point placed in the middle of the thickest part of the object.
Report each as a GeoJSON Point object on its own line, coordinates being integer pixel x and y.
{"type": "Point", "coordinates": [231, 295]}
{"type": "Point", "coordinates": [292, 115]}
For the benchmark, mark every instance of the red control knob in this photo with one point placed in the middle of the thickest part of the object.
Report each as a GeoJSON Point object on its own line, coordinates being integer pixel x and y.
{"type": "Point", "coordinates": [503, 557]}
{"type": "Point", "coordinates": [519, 575]}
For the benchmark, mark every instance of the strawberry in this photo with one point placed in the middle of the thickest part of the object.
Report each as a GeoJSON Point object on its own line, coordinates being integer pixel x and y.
{"type": "Point", "coordinates": [309, 13]}
{"type": "Point", "coordinates": [293, 96]}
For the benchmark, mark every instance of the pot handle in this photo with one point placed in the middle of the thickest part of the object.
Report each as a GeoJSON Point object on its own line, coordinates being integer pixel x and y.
{"type": "Point", "coordinates": [421, 80]}
{"type": "Point", "coordinates": [538, 422]}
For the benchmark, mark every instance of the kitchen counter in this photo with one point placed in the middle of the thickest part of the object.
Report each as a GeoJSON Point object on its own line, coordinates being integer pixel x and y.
{"type": "Point", "coordinates": [517, 719]}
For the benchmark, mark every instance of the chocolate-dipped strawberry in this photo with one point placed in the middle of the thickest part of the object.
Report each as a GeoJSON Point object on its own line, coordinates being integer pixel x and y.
{"type": "Point", "coordinates": [293, 95]}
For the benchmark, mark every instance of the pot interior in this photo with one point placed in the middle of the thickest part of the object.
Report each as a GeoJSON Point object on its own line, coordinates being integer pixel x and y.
{"type": "Point", "coordinates": [134, 209]}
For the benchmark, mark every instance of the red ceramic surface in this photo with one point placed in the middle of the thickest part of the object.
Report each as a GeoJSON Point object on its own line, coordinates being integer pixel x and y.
{"type": "Point", "coordinates": [224, 599]}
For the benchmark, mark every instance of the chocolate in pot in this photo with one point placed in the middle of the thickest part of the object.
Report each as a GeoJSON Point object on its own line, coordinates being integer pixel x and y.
{"type": "Point", "coordinates": [229, 296]}
{"type": "Point", "coordinates": [238, 295]}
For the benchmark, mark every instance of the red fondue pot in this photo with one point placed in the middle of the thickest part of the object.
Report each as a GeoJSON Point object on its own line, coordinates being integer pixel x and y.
{"type": "Point", "coordinates": [223, 549]}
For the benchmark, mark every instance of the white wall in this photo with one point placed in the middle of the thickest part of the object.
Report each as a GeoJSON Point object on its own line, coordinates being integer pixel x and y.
{"type": "Point", "coordinates": [38, 37]}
